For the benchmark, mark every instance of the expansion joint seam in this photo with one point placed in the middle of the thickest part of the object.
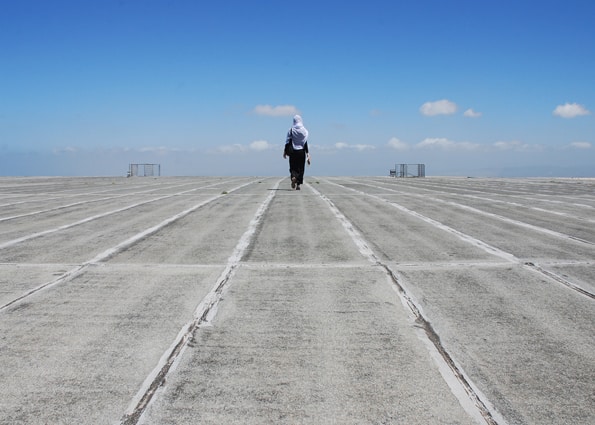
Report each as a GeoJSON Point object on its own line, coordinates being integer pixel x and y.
{"type": "Point", "coordinates": [416, 311]}
{"type": "Point", "coordinates": [483, 245]}
{"type": "Point", "coordinates": [111, 252]}
{"type": "Point", "coordinates": [204, 313]}
{"type": "Point", "coordinates": [559, 279]}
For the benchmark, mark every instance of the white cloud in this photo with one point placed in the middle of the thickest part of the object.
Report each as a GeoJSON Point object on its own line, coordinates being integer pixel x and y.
{"type": "Point", "coordinates": [257, 146]}
{"type": "Point", "coordinates": [581, 145]}
{"type": "Point", "coordinates": [357, 147]}
{"type": "Point", "coordinates": [397, 144]}
{"type": "Point", "coordinates": [570, 110]}
{"type": "Point", "coordinates": [260, 145]}
{"type": "Point", "coordinates": [440, 107]}
{"type": "Point", "coordinates": [445, 144]}
{"type": "Point", "coordinates": [276, 111]}
{"type": "Point", "coordinates": [517, 146]}
{"type": "Point", "coordinates": [159, 150]}
{"type": "Point", "coordinates": [505, 146]}
{"type": "Point", "coordinates": [235, 148]}
{"type": "Point", "coordinates": [471, 113]}
{"type": "Point", "coordinates": [152, 149]}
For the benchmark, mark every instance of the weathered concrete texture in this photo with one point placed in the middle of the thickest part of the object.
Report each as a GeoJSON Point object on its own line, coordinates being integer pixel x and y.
{"type": "Point", "coordinates": [77, 353]}
{"type": "Point", "coordinates": [525, 339]}
{"type": "Point", "coordinates": [354, 300]}
{"type": "Point", "coordinates": [291, 345]}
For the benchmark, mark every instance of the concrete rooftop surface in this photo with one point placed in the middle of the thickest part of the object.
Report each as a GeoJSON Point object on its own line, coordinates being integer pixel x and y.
{"type": "Point", "coordinates": [356, 300]}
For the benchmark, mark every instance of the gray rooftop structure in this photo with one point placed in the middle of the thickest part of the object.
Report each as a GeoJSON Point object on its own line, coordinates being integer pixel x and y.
{"type": "Point", "coordinates": [236, 300]}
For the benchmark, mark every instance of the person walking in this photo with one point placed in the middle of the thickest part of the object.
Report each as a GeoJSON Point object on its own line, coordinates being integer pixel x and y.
{"type": "Point", "coordinates": [296, 148]}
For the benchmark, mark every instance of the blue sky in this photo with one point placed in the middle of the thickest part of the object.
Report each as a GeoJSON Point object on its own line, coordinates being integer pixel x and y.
{"type": "Point", "coordinates": [470, 88]}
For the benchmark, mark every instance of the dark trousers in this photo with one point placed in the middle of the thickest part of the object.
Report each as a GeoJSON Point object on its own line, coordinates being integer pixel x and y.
{"type": "Point", "coordinates": [297, 162]}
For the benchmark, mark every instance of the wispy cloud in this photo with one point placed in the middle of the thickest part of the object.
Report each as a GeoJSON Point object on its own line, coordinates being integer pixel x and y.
{"type": "Point", "coordinates": [261, 145]}
{"type": "Point", "coordinates": [470, 113]}
{"type": "Point", "coordinates": [439, 107]}
{"type": "Point", "coordinates": [505, 146]}
{"type": "Point", "coordinates": [515, 145]}
{"type": "Point", "coordinates": [235, 148]}
{"type": "Point", "coordinates": [357, 147]}
{"type": "Point", "coordinates": [397, 144]}
{"type": "Point", "coordinates": [570, 110]}
{"type": "Point", "coordinates": [159, 150]}
{"type": "Point", "coordinates": [256, 146]}
{"type": "Point", "coordinates": [67, 149]}
{"type": "Point", "coordinates": [445, 144]}
{"type": "Point", "coordinates": [276, 111]}
{"type": "Point", "coordinates": [581, 145]}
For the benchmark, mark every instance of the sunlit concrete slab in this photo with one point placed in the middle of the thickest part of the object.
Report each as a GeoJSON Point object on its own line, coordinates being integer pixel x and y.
{"type": "Point", "coordinates": [77, 352]}
{"type": "Point", "coordinates": [303, 345]}
{"type": "Point", "coordinates": [354, 300]}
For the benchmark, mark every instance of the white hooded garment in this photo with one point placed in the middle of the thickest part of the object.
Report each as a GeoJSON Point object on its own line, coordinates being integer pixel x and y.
{"type": "Point", "coordinates": [297, 133]}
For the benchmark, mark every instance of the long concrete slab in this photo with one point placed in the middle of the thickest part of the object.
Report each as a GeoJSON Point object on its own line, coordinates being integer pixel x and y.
{"type": "Point", "coordinates": [354, 300]}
